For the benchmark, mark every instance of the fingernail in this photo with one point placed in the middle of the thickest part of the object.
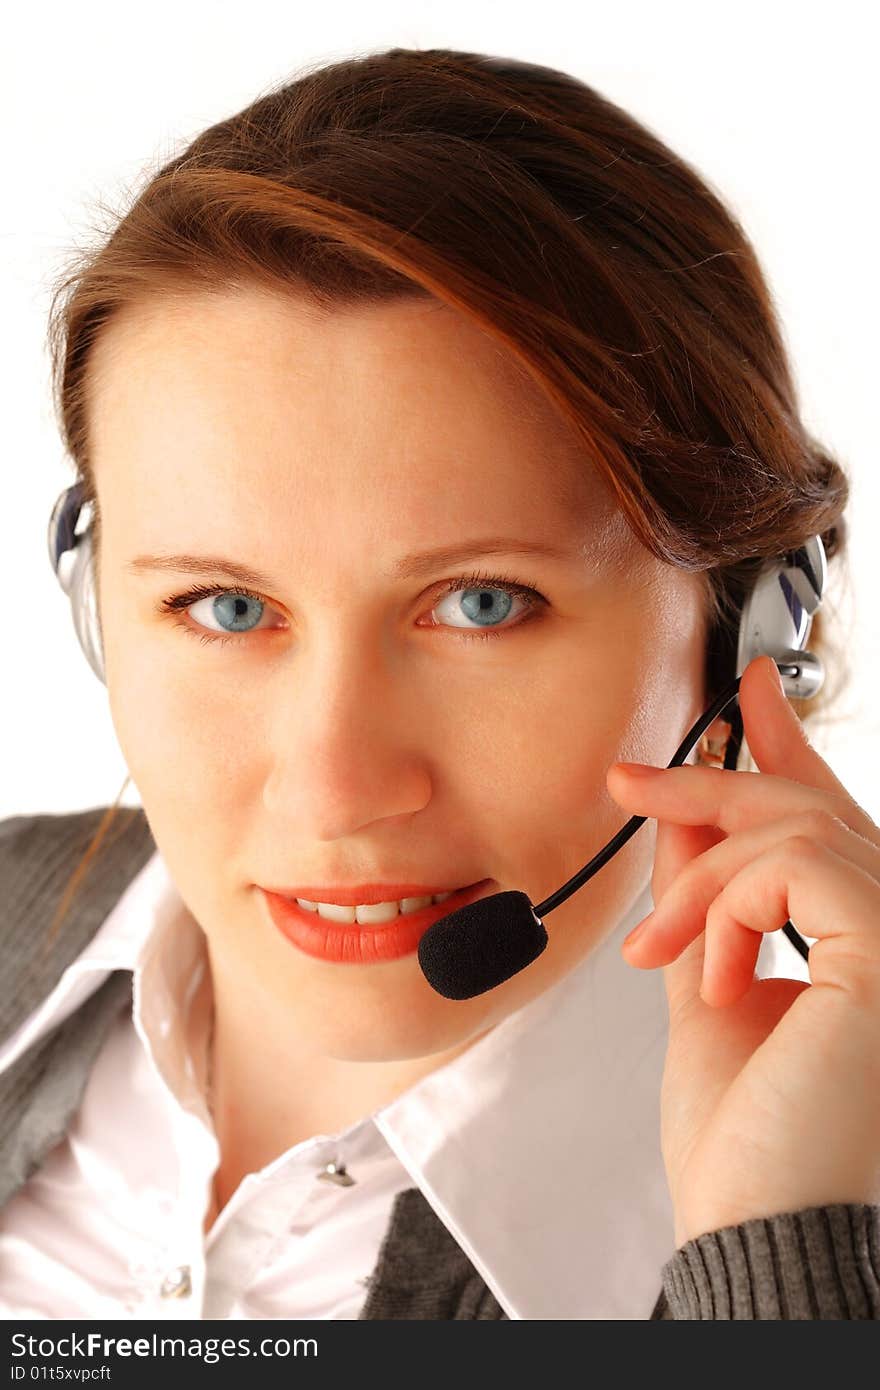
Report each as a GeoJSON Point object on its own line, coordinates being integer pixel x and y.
{"type": "Point", "coordinates": [636, 932]}
{"type": "Point", "coordinates": [639, 769]}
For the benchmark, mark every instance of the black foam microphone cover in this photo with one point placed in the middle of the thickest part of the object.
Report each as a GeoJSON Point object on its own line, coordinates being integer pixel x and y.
{"type": "Point", "coordinates": [481, 945]}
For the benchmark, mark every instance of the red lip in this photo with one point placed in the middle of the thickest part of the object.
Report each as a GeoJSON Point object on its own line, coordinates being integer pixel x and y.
{"type": "Point", "coordinates": [362, 944]}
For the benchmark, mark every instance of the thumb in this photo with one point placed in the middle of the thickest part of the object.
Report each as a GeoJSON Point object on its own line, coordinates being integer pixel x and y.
{"type": "Point", "coordinates": [777, 739]}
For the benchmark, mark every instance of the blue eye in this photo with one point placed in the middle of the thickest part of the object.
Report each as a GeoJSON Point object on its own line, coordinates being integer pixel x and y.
{"type": "Point", "coordinates": [487, 603]}
{"type": "Point", "coordinates": [237, 610]}
{"type": "Point", "coordinates": [480, 604]}
{"type": "Point", "coordinates": [232, 606]}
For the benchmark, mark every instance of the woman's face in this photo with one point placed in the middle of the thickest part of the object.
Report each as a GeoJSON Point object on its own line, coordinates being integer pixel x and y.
{"type": "Point", "coordinates": [356, 727]}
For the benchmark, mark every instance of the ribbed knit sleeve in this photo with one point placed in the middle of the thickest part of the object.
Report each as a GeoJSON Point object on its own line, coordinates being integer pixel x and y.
{"type": "Point", "coordinates": [820, 1262]}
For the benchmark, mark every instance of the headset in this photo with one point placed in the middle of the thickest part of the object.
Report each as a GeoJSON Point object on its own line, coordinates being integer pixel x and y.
{"type": "Point", "coordinates": [486, 942]}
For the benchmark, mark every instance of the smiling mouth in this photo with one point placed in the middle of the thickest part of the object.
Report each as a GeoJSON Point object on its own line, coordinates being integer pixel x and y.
{"type": "Point", "coordinates": [374, 914]}
{"type": "Point", "coordinates": [361, 942]}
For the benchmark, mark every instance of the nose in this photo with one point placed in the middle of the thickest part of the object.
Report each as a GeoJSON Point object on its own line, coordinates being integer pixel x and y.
{"type": "Point", "coordinates": [356, 753]}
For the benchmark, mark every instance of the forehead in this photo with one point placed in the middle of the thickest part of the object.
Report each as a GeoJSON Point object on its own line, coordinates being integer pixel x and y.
{"type": "Point", "coordinates": [418, 345]}
{"type": "Point", "coordinates": [245, 408]}
{"type": "Point", "coordinates": [407, 341]}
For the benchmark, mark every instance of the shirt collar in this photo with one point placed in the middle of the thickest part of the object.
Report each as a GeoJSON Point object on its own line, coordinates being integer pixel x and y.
{"type": "Point", "coordinates": [538, 1147]}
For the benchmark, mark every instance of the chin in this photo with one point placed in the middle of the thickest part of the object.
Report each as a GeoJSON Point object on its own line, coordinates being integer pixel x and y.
{"type": "Point", "coordinates": [389, 1034]}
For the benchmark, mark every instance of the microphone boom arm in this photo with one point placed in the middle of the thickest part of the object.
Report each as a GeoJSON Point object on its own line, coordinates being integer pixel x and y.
{"type": "Point", "coordinates": [724, 699]}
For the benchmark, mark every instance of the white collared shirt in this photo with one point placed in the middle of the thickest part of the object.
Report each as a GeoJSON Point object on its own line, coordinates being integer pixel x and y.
{"type": "Point", "coordinates": [538, 1147]}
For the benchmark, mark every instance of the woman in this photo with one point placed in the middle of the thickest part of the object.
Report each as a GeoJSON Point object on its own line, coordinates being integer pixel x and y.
{"type": "Point", "coordinates": [446, 408]}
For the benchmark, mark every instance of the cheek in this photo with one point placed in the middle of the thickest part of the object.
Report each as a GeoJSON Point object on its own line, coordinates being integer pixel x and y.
{"type": "Point", "coordinates": [581, 708]}
{"type": "Point", "coordinates": [183, 734]}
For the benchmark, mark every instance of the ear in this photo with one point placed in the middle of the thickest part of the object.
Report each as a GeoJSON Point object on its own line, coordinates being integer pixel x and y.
{"type": "Point", "coordinates": [710, 747]}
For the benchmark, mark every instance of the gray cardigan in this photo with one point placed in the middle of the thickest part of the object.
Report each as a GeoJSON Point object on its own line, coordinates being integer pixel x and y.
{"type": "Point", "coordinates": [822, 1262]}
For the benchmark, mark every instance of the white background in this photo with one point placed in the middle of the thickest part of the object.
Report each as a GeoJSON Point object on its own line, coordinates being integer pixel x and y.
{"type": "Point", "coordinates": [775, 104]}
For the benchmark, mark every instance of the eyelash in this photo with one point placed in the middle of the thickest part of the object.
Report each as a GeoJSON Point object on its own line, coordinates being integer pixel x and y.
{"type": "Point", "coordinates": [533, 598]}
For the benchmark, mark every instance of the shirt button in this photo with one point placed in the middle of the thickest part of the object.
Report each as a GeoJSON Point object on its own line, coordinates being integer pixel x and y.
{"type": "Point", "coordinates": [177, 1283]}
{"type": "Point", "coordinates": [335, 1172]}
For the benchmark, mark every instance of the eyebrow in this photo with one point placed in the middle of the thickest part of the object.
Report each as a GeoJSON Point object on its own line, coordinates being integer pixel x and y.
{"type": "Point", "coordinates": [409, 567]}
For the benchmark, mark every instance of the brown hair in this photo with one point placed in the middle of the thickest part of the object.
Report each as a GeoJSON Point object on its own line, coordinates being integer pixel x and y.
{"type": "Point", "coordinates": [525, 199]}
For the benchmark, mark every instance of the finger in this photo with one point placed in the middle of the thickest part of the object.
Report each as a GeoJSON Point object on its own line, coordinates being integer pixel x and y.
{"type": "Point", "coordinates": [776, 736]}
{"type": "Point", "coordinates": [831, 899]}
{"type": "Point", "coordinates": [696, 794]}
{"type": "Point", "coordinates": [683, 912]}
{"type": "Point", "coordinates": [683, 979]}
{"type": "Point", "coordinates": [678, 846]}
{"type": "Point", "coordinates": [733, 801]}
{"type": "Point", "coordinates": [729, 958]}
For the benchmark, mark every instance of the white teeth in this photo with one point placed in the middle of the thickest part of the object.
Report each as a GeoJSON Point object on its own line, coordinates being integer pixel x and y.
{"type": "Point", "coordinates": [409, 905]}
{"type": "Point", "coordinates": [370, 913]}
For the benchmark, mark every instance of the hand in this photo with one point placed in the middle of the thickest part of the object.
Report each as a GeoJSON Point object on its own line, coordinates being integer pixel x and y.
{"type": "Point", "coordinates": [770, 1099]}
